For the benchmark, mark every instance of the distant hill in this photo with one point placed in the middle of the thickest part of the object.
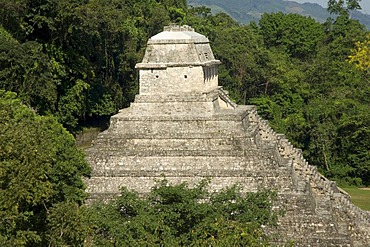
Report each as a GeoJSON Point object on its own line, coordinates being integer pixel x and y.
{"type": "Point", "coordinates": [245, 11]}
{"type": "Point", "coordinates": [365, 4]}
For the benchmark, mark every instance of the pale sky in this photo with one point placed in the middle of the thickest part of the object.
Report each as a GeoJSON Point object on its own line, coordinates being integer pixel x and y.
{"type": "Point", "coordinates": [365, 4]}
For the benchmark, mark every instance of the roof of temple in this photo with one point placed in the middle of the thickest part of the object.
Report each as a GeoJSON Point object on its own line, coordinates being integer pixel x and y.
{"type": "Point", "coordinates": [178, 34]}
{"type": "Point", "coordinates": [177, 46]}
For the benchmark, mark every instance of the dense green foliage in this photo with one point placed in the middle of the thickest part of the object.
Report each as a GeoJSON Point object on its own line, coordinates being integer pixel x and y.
{"type": "Point", "coordinates": [40, 171]}
{"type": "Point", "coordinates": [296, 35]}
{"type": "Point", "coordinates": [175, 215]}
{"type": "Point", "coordinates": [75, 59]}
{"type": "Point", "coordinates": [338, 6]}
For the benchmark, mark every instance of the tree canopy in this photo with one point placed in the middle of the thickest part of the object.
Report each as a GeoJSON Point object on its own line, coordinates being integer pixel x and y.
{"type": "Point", "coordinates": [341, 6]}
{"type": "Point", "coordinates": [360, 56]}
{"type": "Point", "coordinates": [76, 59]}
{"type": "Point", "coordinates": [176, 215]}
{"type": "Point", "coordinates": [40, 167]}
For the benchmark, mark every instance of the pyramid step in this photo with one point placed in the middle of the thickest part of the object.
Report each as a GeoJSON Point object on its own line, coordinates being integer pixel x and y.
{"type": "Point", "coordinates": [186, 163]}
{"type": "Point", "coordinates": [311, 231]}
{"type": "Point", "coordinates": [313, 241]}
{"type": "Point", "coordinates": [140, 152]}
{"type": "Point", "coordinates": [174, 127]}
{"type": "Point", "coordinates": [172, 135]}
{"type": "Point", "coordinates": [111, 184]}
{"type": "Point", "coordinates": [184, 107]}
{"type": "Point", "coordinates": [323, 206]}
{"type": "Point", "coordinates": [296, 203]}
{"type": "Point", "coordinates": [308, 223]}
{"type": "Point", "coordinates": [196, 144]}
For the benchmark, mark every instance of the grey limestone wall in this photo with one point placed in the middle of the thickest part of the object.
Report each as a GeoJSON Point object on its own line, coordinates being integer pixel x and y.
{"type": "Point", "coordinates": [144, 183]}
{"type": "Point", "coordinates": [170, 53]}
{"type": "Point", "coordinates": [177, 80]}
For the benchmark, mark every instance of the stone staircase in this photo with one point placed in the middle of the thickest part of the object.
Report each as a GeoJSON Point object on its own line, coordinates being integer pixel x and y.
{"type": "Point", "coordinates": [318, 213]}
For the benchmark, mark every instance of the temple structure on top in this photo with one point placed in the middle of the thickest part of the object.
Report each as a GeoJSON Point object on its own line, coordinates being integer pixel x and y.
{"type": "Point", "coordinates": [178, 60]}
{"type": "Point", "coordinates": [183, 126]}
{"type": "Point", "coordinates": [179, 63]}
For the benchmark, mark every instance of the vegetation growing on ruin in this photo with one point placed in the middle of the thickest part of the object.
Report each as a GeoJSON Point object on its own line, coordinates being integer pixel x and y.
{"type": "Point", "coordinates": [41, 174]}
{"type": "Point", "coordinates": [176, 215]}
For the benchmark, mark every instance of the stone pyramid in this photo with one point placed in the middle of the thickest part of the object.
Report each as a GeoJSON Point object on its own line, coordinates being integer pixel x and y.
{"type": "Point", "coordinates": [183, 126]}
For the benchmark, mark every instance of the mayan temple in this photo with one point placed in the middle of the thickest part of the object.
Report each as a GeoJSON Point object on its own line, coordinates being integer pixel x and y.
{"type": "Point", "coordinates": [183, 126]}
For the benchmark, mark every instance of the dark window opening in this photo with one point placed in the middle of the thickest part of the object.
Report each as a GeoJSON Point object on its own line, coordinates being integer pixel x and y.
{"type": "Point", "coordinates": [185, 76]}
{"type": "Point", "coordinates": [157, 76]}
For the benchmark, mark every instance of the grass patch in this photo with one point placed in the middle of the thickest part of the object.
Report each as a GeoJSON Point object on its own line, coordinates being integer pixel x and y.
{"type": "Point", "coordinates": [85, 137]}
{"type": "Point", "coordinates": [360, 197]}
